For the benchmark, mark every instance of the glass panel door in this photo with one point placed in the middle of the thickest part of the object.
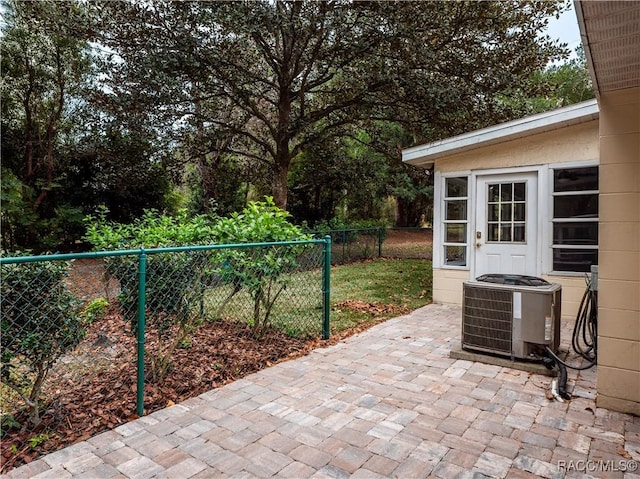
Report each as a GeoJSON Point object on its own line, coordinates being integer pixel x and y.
{"type": "Point", "coordinates": [506, 212]}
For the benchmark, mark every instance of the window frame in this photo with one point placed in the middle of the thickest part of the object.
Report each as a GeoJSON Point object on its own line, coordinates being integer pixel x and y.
{"type": "Point", "coordinates": [512, 222]}
{"type": "Point", "coordinates": [440, 219]}
{"type": "Point", "coordinates": [553, 220]}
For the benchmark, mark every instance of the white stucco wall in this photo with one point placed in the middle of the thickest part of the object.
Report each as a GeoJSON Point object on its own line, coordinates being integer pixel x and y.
{"type": "Point", "coordinates": [568, 144]}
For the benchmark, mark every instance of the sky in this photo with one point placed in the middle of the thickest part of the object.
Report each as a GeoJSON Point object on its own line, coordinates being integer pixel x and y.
{"type": "Point", "coordinates": [566, 29]}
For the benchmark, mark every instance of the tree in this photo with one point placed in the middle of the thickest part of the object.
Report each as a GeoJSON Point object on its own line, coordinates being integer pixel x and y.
{"type": "Point", "coordinates": [565, 84]}
{"type": "Point", "coordinates": [118, 169]}
{"type": "Point", "coordinates": [360, 172]}
{"type": "Point", "coordinates": [412, 187]}
{"type": "Point", "coordinates": [63, 152]}
{"type": "Point", "coordinates": [268, 79]}
{"type": "Point", "coordinates": [40, 324]}
{"type": "Point", "coordinates": [557, 85]}
{"type": "Point", "coordinates": [44, 65]}
{"type": "Point", "coordinates": [350, 184]}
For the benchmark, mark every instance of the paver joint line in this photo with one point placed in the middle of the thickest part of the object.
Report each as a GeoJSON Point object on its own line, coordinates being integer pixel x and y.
{"type": "Point", "coordinates": [388, 402]}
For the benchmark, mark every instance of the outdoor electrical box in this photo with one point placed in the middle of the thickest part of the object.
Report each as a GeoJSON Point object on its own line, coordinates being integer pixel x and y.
{"type": "Point", "coordinates": [511, 315]}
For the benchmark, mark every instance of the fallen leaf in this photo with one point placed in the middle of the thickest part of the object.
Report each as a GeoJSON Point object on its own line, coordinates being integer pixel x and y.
{"type": "Point", "coordinates": [623, 452]}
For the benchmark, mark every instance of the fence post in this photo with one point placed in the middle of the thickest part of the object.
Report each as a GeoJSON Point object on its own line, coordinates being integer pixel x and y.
{"type": "Point", "coordinates": [326, 288]}
{"type": "Point", "coordinates": [379, 241]}
{"type": "Point", "coordinates": [142, 287]}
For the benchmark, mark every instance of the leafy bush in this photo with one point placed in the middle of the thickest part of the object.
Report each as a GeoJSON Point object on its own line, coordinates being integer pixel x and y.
{"type": "Point", "coordinates": [258, 271]}
{"type": "Point", "coordinates": [40, 323]}
{"type": "Point", "coordinates": [95, 310]}
{"type": "Point", "coordinates": [153, 230]}
{"type": "Point", "coordinates": [174, 281]}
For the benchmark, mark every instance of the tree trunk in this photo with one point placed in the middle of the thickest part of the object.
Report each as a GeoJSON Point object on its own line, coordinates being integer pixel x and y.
{"type": "Point", "coordinates": [279, 185]}
{"type": "Point", "coordinates": [407, 215]}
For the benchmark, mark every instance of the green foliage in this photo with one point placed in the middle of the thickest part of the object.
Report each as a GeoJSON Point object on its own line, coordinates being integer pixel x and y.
{"type": "Point", "coordinates": [412, 187]}
{"type": "Point", "coordinates": [174, 281]}
{"type": "Point", "coordinates": [35, 441]}
{"type": "Point", "coordinates": [7, 422]}
{"type": "Point", "coordinates": [557, 86]}
{"type": "Point", "coordinates": [351, 184]}
{"type": "Point", "coordinates": [15, 214]}
{"type": "Point", "coordinates": [258, 222]}
{"type": "Point", "coordinates": [112, 102]}
{"type": "Point", "coordinates": [119, 168]}
{"type": "Point", "coordinates": [62, 152]}
{"type": "Point", "coordinates": [215, 186]}
{"type": "Point", "coordinates": [44, 66]}
{"type": "Point", "coordinates": [152, 230]}
{"type": "Point", "coordinates": [40, 323]}
{"type": "Point", "coordinates": [278, 77]}
{"type": "Point", "coordinates": [259, 270]}
{"type": "Point", "coordinates": [96, 310]}
{"type": "Point", "coordinates": [362, 177]}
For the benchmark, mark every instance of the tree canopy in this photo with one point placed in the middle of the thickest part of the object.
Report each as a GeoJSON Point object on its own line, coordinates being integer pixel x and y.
{"type": "Point", "coordinates": [265, 80]}
{"type": "Point", "coordinates": [154, 104]}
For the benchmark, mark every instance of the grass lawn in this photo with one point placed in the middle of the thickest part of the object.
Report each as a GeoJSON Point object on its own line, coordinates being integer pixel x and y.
{"type": "Point", "coordinates": [399, 284]}
{"type": "Point", "coordinates": [362, 294]}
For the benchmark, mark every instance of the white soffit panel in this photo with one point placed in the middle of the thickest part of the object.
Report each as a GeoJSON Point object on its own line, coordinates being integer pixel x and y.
{"type": "Point", "coordinates": [610, 33]}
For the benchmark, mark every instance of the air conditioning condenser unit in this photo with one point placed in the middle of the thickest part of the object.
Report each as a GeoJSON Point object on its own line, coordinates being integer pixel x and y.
{"type": "Point", "coordinates": [511, 315]}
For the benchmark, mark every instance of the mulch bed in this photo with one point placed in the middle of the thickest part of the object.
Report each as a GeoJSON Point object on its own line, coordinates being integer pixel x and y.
{"type": "Point", "coordinates": [374, 308]}
{"type": "Point", "coordinates": [94, 389]}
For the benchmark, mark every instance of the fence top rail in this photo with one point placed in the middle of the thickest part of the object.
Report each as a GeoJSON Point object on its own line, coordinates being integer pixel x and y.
{"type": "Point", "coordinates": [340, 230]}
{"type": "Point", "coordinates": [172, 249]}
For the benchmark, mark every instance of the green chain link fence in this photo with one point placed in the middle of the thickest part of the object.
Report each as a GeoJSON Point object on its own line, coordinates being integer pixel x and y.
{"type": "Point", "coordinates": [357, 244]}
{"type": "Point", "coordinates": [80, 330]}
{"type": "Point", "coordinates": [354, 244]}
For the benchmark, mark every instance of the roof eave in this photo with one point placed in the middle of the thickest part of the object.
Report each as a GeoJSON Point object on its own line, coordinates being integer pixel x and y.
{"type": "Point", "coordinates": [426, 155]}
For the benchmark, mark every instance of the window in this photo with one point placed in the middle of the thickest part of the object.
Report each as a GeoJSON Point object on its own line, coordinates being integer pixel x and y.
{"type": "Point", "coordinates": [455, 221]}
{"type": "Point", "coordinates": [575, 219]}
{"type": "Point", "coordinates": [506, 210]}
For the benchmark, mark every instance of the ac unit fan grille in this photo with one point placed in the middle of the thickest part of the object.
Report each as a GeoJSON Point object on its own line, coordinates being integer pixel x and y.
{"type": "Point", "coordinates": [487, 319]}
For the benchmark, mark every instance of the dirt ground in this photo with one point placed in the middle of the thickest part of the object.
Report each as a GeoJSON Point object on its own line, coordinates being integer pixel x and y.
{"type": "Point", "coordinates": [408, 236]}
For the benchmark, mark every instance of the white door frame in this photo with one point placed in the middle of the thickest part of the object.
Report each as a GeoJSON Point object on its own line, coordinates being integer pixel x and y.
{"type": "Point", "coordinates": [473, 213]}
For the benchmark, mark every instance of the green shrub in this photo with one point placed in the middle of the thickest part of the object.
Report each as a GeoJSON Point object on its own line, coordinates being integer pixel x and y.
{"type": "Point", "coordinates": [174, 281]}
{"type": "Point", "coordinates": [40, 323]}
{"type": "Point", "coordinates": [259, 271]}
{"type": "Point", "coordinates": [95, 310]}
{"type": "Point", "coordinates": [153, 230]}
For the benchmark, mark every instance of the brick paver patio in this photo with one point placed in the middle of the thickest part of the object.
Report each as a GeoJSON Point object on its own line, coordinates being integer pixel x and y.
{"type": "Point", "coordinates": [386, 403]}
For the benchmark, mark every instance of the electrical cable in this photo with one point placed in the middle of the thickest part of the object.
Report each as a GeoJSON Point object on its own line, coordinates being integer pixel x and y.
{"type": "Point", "coordinates": [587, 325]}
{"type": "Point", "coordinates": [586, 328]}
{"type": "Point", "coordinates": [582, 368]}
